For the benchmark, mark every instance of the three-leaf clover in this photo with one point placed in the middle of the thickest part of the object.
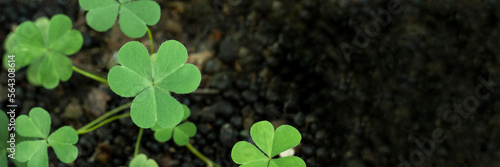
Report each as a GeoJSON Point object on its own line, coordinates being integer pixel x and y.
{"type": "Point", "coordinates": [151, 79]}
{"type": "Point", "coordinates": [134, 15]}
{"type": "Point", "coordinates": [44, 46]}
{"type": "Point", "coordinates": [36, 126]}
{"type": "Point", "coordinates": [142, 160]}
{"type": "Point", "coordinates": [270, 143]}
{"type": "Point", "coordinates": [181, 133]}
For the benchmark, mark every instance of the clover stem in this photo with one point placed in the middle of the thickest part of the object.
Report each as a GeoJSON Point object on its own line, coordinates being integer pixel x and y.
{"type": "Point", "coordinates": [138, 142]}
{"type": "Point", "coordinates": [209, 162]}
{"type": "Point", "coordinates": [90, 75]}
{"type": "Point", "coordinates": [104, 123]}
{"type": "Point", "coordinates": [102, 117]}
{"type": "Point", "coordinates": [151, 41]}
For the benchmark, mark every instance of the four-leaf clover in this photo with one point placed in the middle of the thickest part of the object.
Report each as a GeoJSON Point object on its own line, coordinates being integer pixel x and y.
{"type": "Point", "coordinates": [36, 127]}
{"type": "Point", "coordinates": [181, 133]}
{"type": "Point", "coordinates": [151, 79]}
{"type": "Point", "coordinates": [134, 15]}
{"type": "Point", "coordinates": [270, 143]}
{"type": "Point", "coordinates": [44, 45]}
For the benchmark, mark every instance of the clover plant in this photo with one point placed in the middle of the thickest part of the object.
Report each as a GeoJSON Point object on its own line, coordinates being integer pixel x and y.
{"type": "Point", "coordinates": [270, 143]}
{"type": "Point", "coordinates": [44, 46]}
{"type": "Point", "coordinates": [151, 79]}
{"type": "Point", "coordinates": [181, 132]}
{"type": "Point", "coordinates": [134, 15]}
{"type": "Point", "coordinates": [36, 127]}
{"type": "Point", "coordinates": [7, 145]}
{"type": "Point", "coordinates": [142, 160]}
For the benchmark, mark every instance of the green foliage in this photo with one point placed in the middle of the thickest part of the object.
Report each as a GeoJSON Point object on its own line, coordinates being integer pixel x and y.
{"type": "Point", "coordinates": [134, 15]}
{"type": "Point", "coordinates": [36, 127]}
{"type": "Point", "coordinates": [142, 160]}
{"type": "Point", "coordinates": [4, 137]}
{"type": "Point", "coordinates": [9, 44]}
{"type": "Point", "coordinates": [271, 143]}
{"type": "Point", "coordinates": [181, 132]}
{"type": "Point", "coordinates": [151, 79]}
{"type": "Point", "coordinates": [44, 46]}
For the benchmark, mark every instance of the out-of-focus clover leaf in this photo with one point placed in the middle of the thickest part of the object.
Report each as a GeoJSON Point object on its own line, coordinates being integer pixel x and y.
{"type": "Point", "coordinates": [36, 127]}
{"type": "Point", "coordinates": [43, 45]}
{"type": "Point", "coordinates": [134, 15]}
{"type": "Point", "coordinates": [142, 160]}
{"type": "Point", "coordinates": [270, 143]}
{"type": "Point", "coordinates": [151, 79]}
{"type": "Point", "coordinates": [9, 44]}
{"type": "Point", "coordinates": [181, 133]}
{"type": "Point", "coordinates": [7, 145]}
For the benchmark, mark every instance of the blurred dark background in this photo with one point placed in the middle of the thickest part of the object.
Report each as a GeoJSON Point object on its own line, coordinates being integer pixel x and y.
{"type": "Point", "coordinates": [367, 83]}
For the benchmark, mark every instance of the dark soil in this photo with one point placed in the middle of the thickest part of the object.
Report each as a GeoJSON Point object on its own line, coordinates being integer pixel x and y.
{"type": "Point", "coordinates": [409, 95]}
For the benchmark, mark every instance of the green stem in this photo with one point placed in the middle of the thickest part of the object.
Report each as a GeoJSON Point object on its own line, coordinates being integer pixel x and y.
{"type": "Point", "coordinates": [104, 123]}
{"type": "Point", "coordinates": [151, 41]}
{"type": "Point", "coordinates": [90, 75]}
{"type": "Point", "coordinates": [138, 142]}
{"type": "Point", "coordinates": [104, 116]}
{"type": "Point", "coordinates": [207, 161]}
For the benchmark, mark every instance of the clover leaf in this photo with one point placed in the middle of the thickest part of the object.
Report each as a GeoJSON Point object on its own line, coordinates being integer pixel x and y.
{"type": "Point", "coordinates": [270, 143]}
{"type": "Point", "coordinates": [33, 150]}
{"type": "Point", "coordinates": [151, 79]}
{"type": "Point", "coordinates": [44, 46]}
{"type": "Point", "coordinates": [4, 137]}
{"type": "Point", "coordinates": [142, 160]}
{"type": "Point", "coordinates": [134, 15]}
{"type": "Point", "coordinates": [10, 43]}
{"type": "Point", "coordinates": [181, 132]}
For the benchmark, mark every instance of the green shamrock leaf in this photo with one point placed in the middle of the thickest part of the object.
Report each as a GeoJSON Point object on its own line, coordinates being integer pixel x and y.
{"type": "Point", "coordinates": [44, 46]}
{"type": "Point", "coordinates": [10, 43]}
{"type": "Point", "coordinates": [34, 152]}
{"type": "Point", "coordinates": [142, 160]}
{"type": "Point", "coordinates": [271, 143]}
{"type": "Point", "coordinates": [181, 132]}
{"type": "Point", "coordinates": [134, 15]}
{"type": "Point", "coordinates": [63, 140]}
{"type": "Point", "coordinates": [36, 126]}
{"type": "Point", "coordinates": [151, 79]}
{"type": "Point", "coordinates": [4, 137]}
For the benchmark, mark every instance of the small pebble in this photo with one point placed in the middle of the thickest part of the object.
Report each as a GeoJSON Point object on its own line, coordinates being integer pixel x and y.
{"type": "Point", "coordinates": [228, 51]}
{"type": "Point", "coordinates": [220, 81]}
{"type": "Point", "coordinates": [272, 95]}
{"type": "Point", "coordinates": [259, 107]}
{"type": "Point", "coordinates": [236, 122]}
{"type": "Point", "coordinates": [308, 149]}
{"type": "Point", "coordinates": [212, 66]}
{"type": "Point", "coordinates": [203, 128]}
{"type": "Point", "coordinates": [227, 135]}
{"type": "Point", "coordinates": [224, 108]}
{"type": "Point", "coordinates": [287, 153]}
{"type": "Point", "coordinates": [232, 94]}
{"type": "Point", "coordinates": [298, 119]}
{"type": "Point", "coordinates": [246, 111]}
{"type": "Point", "coordinates": [249, 96]}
